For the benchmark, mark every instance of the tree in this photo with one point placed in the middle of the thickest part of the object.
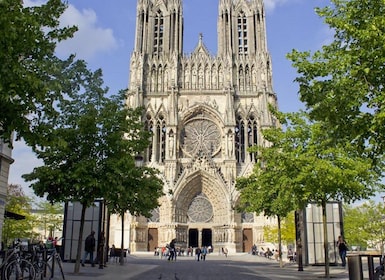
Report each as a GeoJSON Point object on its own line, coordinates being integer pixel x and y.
{"type": "Point", "coordinates": [328, 171]}
{"type": "Point", "coordinates": [32, 77]}
{"type": "Point", "coordinates": [89, 147]}
{"type": "Point", "coordinates": [68, 146]}
{"type": "Point", "coordinates": [50, 217]}
{"type": "Point", "coordinates": [128, 187]}
{"type": "Point", "coordinates": [365, 225]}
{"type": "Point", "coordinates": [287, 231]}
{"type": "Point", "coordinates": [18, 203]}
{"type": "Point", "coordinates": [265, 190]}
{"type": "Point", "coordinates": [312, 167]}
{"type": "Point", "coordinates": [343, 83]}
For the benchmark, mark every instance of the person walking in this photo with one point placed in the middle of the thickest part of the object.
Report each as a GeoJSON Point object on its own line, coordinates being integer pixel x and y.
{"type": "Point", "coordinates": [89, 248]}
{"type": "Point", "coordinates": [342, 249]}
{"type": "Point", "coordinates": [172, 253]}
{"type": "Point", "coordinates": [198, 252]}
{"type": "Point", "coordinates": [204, 253]}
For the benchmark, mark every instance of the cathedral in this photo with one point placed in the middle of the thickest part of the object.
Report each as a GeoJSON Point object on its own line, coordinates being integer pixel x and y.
{"type": "Point", "coordinates": [204, 111]}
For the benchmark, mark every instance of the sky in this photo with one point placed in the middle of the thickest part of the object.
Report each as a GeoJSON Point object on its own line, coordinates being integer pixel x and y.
{"type": "Point", "coordinates": [106, 38]}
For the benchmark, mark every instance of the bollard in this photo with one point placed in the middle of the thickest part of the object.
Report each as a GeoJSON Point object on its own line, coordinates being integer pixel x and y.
{"type": "Point", "coordinates": [355, 267]}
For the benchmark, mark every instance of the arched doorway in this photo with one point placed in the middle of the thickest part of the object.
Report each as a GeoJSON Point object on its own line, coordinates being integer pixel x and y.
{"type": "Point", "coordinates": [207, 238]}
{"type": "Point", "coordinates": [193, 237]}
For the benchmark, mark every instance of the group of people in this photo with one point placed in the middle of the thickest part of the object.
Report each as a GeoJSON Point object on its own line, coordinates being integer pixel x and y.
{"type": "Point", "coordinates": [291, 255]}
{"type": "Point", "coordinates": [200, 253]}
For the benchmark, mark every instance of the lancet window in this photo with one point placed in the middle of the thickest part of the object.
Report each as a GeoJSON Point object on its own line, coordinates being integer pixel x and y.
{"type": "Point", "coordinates": [158, 32]}
{"type": "Point", "coordinates": [240, 149]}
{"type": "Point", "coordinates": [242, 33]}
{"type": "Point", "coordinates": [252, 133]}
{"type": "Point", "coordinates": [149, 126]}
{"type": "Point", "coordinates": [156, 151]}
{"type": "Point", "coordinates": [160, 140]}
{"type": "Point", "coordinates": [246, 135]}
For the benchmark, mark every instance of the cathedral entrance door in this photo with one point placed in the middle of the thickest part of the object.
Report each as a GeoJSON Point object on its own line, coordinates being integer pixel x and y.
{"type": "Point", "coordinates": [207, 237]}
{"type": "Point", "coordinates": [152, 239]}
{"type": "Point", "coordinates": [247, 240]}
{"type": "Point", "coordinates": [193, 237]}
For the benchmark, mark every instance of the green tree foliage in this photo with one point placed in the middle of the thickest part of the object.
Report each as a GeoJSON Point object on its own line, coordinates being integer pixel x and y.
{"type": "Point", "coordinates": [88, 151]}
{"type": "Point", "coordinates": [49, 217]}
{"type": "Point", "coordinates": [365, 225]}
{"type": "Point", "coordinates": [31, 76]}
{"type": "Point", "coordinates": [287, 231]}
{"type": "Point", "coordinates": [304, 164]}
{"type": "Point", "coordinates": [343, 83]}
{"type": "Point", "coordinates": [18, 203]}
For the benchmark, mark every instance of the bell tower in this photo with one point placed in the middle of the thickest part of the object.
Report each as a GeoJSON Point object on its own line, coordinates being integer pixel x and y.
{"type": "Point", "coordinates": [158, 47]}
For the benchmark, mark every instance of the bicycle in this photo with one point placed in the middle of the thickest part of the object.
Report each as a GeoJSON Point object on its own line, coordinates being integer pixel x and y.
{"type": "Point", "coordinates": [54, 257]}
{"type": "Point", "coordinates": [44, 260]}
{"type": "Point", "coordinates": [14, 267]}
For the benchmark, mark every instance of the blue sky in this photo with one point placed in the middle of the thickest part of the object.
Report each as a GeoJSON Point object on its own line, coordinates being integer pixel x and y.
{"type": "Point", "coordinates": [106, 37]}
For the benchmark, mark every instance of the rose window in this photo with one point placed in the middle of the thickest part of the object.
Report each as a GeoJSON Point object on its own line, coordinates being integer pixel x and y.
{"type": "Point", "coordinates": [200, 136]}
{"type": "Point", "coordinates": [200, 210]}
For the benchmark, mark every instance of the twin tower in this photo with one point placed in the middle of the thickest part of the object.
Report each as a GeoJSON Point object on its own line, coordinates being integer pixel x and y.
{"type": "Point", "coordinates": [204, 111]}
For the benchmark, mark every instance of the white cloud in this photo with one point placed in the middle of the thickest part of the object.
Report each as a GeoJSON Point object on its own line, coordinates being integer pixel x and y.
{"type": "Point", "coordinates": [272, 4]}
{"type": "Point", "coordinates": [90, 39]}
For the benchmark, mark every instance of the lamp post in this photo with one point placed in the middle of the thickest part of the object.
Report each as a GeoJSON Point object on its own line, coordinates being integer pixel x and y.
{"type": "Point", "coordinates": [138, 163]}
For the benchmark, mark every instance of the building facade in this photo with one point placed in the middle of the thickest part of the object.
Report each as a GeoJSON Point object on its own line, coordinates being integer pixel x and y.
{"type": "Point", "coordinates": [204, 112]}
{"type": "Point", "coordinates": [5, 163]}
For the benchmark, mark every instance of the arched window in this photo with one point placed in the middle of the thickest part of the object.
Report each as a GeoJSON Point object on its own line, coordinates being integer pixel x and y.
{"type": "Point", "coordinates": [160, 140]}
{"type": "Point", "coordinates": [158, 32]}
{"type": "Point", "coordinates": [242, 33]}
{"type": "Point", "coordinates": [252, 135]}
{"type": "Point", "coordinates": [240, 148]}
{"type": "Point", "coordinates": [149, 126]}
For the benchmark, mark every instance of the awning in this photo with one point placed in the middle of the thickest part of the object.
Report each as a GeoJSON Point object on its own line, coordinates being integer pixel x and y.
{"type": "Point", "coordinates": [14, 216]}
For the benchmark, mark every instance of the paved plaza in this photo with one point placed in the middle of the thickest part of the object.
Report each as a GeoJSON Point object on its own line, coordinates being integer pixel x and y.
{"type": "Point", "coordinates": [239, 266]}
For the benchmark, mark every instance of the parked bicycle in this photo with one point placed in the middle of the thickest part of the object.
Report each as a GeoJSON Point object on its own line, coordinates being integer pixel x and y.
{"type": "Point", "coordinates": [46, 262]}
{"type": "Point", "coordinates": [14, 267]}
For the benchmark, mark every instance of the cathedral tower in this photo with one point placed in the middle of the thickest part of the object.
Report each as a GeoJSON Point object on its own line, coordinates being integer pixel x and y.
{"type": "Point", "coordinates": [204, 112]}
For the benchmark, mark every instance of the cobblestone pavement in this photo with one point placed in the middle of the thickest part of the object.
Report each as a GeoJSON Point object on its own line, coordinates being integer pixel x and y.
{"type": "Point", "coordinates": [239, 266]}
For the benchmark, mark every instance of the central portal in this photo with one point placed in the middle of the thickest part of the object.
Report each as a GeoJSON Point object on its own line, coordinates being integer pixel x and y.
{"type": "Point", "coordinates": [193, 237]}
{"type": "Point", "coordinates": [207, 239]}
{"type": "Point", "coordinates": [194, 240]}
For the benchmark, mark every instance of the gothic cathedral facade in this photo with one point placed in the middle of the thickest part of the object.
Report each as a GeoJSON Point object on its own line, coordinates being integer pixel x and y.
{"type": "Point", "coordinates": [204, 112]}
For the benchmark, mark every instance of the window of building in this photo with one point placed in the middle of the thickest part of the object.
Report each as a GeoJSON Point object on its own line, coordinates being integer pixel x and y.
{"type": "Point", "coordinates": [158, 32]}
{"type": "Point", "coordinates": [242, 33]}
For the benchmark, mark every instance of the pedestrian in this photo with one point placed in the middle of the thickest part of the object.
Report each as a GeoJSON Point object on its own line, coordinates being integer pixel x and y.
{"type": "Point", "coordinates": [342, 249]}
{"type": "Point", "coordinates": [204, 253]}
{"type": "Point", "coordinates": [171, 250]}
{"type": "Point", "coordinates": [198, 253]}
{"type": "Point", "coordinates": [89, 248]}
{"type": "Point", "coordinates": [101, 257]}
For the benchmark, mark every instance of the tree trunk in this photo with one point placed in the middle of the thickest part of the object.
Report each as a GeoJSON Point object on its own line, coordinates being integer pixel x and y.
{"type": "Point", "coordinates": [80, 238]}
{"type": "Point", "coordinates": [280, 242]}
{"type": "Point", "coordinates": [121, 260]}
{"type": "Point", "coordinates": [326, 243]}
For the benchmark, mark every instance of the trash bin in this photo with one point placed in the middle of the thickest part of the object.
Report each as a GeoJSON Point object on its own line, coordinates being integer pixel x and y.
{"type": "Point", "coordinates": [355, 267]}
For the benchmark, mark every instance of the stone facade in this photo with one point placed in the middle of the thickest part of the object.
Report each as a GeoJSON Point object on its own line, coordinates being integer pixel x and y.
{"type": "Point", "coordinates": [5, 163]}
{"type": "Point", "coordinates": [204, 112]}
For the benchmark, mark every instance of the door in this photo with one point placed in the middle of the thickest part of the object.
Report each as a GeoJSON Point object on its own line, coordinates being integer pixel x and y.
{"type": "Point", "coordinates": [207, 237]}
{"type": "Point", "coordinates": [247, 240]}
{"type": "Point", "coordinates": [152, 239]}
{"type": "Point", "coordinates": [193, 237]}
